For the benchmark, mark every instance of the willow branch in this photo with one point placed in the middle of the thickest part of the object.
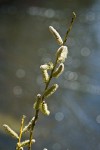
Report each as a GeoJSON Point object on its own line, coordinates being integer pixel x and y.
{"type": "Point", "coordinates": [37, 111]}
{"type": "Point", "coordinates": [47, 84]}
{"type": "Point", "coordinates": [70, 27]}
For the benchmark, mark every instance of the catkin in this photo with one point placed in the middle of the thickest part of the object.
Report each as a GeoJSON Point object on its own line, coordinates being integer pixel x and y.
{"type": "Point", "coordinates": [21, 148]}
{"type": "Point", "coordinates": [10, 131]}
{"type": "Point", "coordinates": [44, 109]}
{"type": "Point", "coordinates": [27, 127]}
{"type": "Point", "coordinates": [56, 35]}
{"type": "Point", "coordinates": [62, 54]}
{"type": "Point", "coordinates": [44, 67]}
{"type": "Point", "coordinates": [26, 143]}
{"type": "Point", "coordinates": [38, 101]}
{"type": "Point", "coordinates": [51, 90]}
{"type": "Point", "coordinates": [58, 71]}
{"type": "Point", "coordinates": [47, 66]}
{"type": "Point", "coordinates": [45, 75]}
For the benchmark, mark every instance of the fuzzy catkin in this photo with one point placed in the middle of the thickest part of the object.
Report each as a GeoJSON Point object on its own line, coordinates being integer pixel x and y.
{"type": "Point", "coordinates": [10, 131]}
{"type": "Point", "coordinates": [56, 35]}
{"type": "Point", "coordinates": [21, 148]}
{"type": "Point", "coordinates": [38, 101]}
{"type": "Point", "coordinates": [44, 67]}
{"type": "Point", "coordinates": [45, 76]}
{"type": "Point", "coordinates": [44, 109]}
{"type": "Point", "coordinates": [28, 126]}
{"type": "Point", "coordinates": [59, 70]}
{"type": "Point", "coordinates": [47, 66]}
{"type": "Point", "coordinates": [51, 90]}
{"type": "Point", "coordinates": [62, 54]}
{"type": "Point", "coordinates": [26, 142]}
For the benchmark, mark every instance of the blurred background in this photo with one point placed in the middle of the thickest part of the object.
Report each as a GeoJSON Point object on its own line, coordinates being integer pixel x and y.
{"type": "Point", "coordinates": [25, 44]}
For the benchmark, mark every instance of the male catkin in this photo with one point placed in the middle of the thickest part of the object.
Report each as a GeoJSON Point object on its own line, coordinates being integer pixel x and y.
{"type": "Point", "coordinates": [59, 70]}
{"type": "Point", "coordinates": [10, 131]}
{"type": "Point", "coordinates": [44, 108]}
{"type": "Point", "coordinates": [56, 35]}
{"type": "Point", "coordinates": [51, 90]}
{"type": "Point", "coordinates": [62, 54]}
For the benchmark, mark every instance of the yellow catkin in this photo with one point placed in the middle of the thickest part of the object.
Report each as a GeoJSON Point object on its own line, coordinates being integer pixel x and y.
{"type": "Point", "coordinates": [58, 71]}
{"type": "Point", "coordinates": [26, 143]}
{"type": "Point", "coordinates": [28, 126]}
{"type": "Point", "coordinates": [47, 66]}
{"type": "Point", "coordinates": [56, 35]}
{"type": "Point", "coordinates": [44, 109]}
{"type": "Point", "coordinates": [21, 148]}
{"type": "Point", "coordinates": [10, 131]}
{"type": "Point", "coordinates": [62, 54]}
{"type": "Point", "coordinates": [38, 102]}
{"type": "Point", "coordinates": [51, 90]}
{"type": "Point", "coordinates": [45, 76]}
{"type": "Point", "coordinates": [44, 67]}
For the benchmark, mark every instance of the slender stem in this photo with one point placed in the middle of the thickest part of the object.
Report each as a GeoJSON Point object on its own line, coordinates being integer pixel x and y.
{"type": "Point", "coordinates": [20, 134]}
{"type": "Point", "coordinates": [32, 128]}
{"type": "Point", "coordinates": [21, 129]}
{"type": "Point", "coordinates": [70, 27]}
{"type": "Point", "coordinates": [37, 111]}
{"type": "Point", "coordinates": [50, 77]}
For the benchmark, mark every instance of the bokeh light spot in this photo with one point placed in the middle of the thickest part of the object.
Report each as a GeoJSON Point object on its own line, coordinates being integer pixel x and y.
{"type": "Point", "coordinates": [17, 90]}
{"type": "Point", "coordinates": [33, 10]}
{"type": "Point", "coordinates": [20, 73]}
{"type": "Point", "coordinates": [59, 116]}
{"type": "Point", "coordinates": [85, 51]}
{"type": "Point", "coordinates": [90, 16]}
{"type": "Point", "coordinates": [70, 75]}
{"type": "Point", "coordinates": [50, 13]}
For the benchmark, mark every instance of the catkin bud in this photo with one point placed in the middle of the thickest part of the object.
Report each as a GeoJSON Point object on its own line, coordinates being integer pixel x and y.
{"type": "Point", "coordinates": [27, 127]}
{"type": "Point", "coordinates": [26, 142]}
{"type": "Point", "coordinates": [10, 131]}
{"type": "Point", "coordinates": [44, 109]}
{"type": "Point", "coordinates": [44, 67]}
{"type": "Point", "coordinates": [45, 75]}
{"type": "Point", "coordinates": [58, 71]}
{"type": "Point", "coordinates": [62, 54]}
{"type": "Point", "coordinates": [47, 66]}
{"type": "Point", "coordinates": [56, 35]}
{"type": "Point", "coordinates": [21, 148]}
{"type": "Point", "coordinates": [38, 102]}
{"type": "Point", "coordinates": [51, 90]}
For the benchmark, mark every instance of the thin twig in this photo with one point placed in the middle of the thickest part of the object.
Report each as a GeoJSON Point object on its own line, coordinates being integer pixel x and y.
{"type": "Point", "coordinates": [32, 128]}
{"type": "Point", "coordinates": [37, 111]}
{"type": "Point", "coordinates": [21, 130]}
{"type": "Point", "coordinates": [70, 27]}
